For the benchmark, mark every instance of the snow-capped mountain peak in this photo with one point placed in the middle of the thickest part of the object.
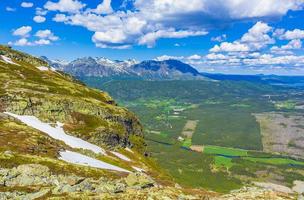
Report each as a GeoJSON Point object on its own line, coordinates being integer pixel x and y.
{"type": "Point", "coordinates": [104, 67]}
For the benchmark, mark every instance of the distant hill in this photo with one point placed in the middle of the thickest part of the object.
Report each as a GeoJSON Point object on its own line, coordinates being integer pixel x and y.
{"type": "Point", "coordinates": [287, 81]}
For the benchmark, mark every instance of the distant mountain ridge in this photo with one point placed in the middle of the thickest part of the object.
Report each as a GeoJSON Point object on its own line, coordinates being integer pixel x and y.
{"type": "Point", "coordinates": [148, 70]}
{"type": "Point", "coordinates": [167, 69]}
{"type": "Point", "coordinates": [89, 69]}
{"type": "Point", "coordinates": [278, 80]}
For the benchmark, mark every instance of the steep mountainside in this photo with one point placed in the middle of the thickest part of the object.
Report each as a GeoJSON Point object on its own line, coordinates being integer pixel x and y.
{"type": "Point", "coordinates": [148, 70]}
{"type": "Point", "coordinates": [30, 88]}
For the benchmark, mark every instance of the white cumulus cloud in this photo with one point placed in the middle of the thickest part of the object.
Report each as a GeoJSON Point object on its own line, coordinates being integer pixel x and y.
{"type": "Point", "coordinates": [42, 42]}
{"type": "Point", "coordinates": [256, 38]}
{"type": "Point", "coordinates": [60, 18]}
{"type": "Point", "coordinates": [285, 49]}
{"type": "Point", "coordinates": [194, 57]}
{"type": "Point", "coordinates": [10, 9]}
{"type": "Point", "coordinates": [112, 36]}
{"type": "Point", "coordinates": [27, 4]}
{"type": "Point", "coordinates": [21, 42]}
{"type": "Point", "coordinates": [70, 6]}
{"type": "Point", "coordinates": [230, 47]}
{"type": "Point", "coordinates": [104, 8]}
{"type": "Point", "coordinates": [294, 34]}
{"type": "Point", "coordinates": [42, 37]}
{"type": "Point", "coordinates": [293, 44]}
{"type": "Point", "coordinates": [22, 31]}
{"type": "Point", "coordinates": [150, 20]}
{"type": "Point", "coordinates": [46, 34]}
{"type": "Point", "coordinates": [166, 57]}
{"type": "Point", "coordinates": [150, 38]}
{"type": "Point", "coordinates": [39, 19]}
{"type": "Point", "coordinates": [40, 11]}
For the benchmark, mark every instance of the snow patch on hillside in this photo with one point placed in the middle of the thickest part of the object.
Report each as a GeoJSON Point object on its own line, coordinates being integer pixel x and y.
{"type": "Point", "coordinates": [79, 159]}
{"type": "Point", "coordinates": [43, 68]}
{"type": "Point", "coordinates": [8, 60]}
{"type": "Point", "coordinates": [119, 155]}
{"type": "Point", "coordinates": [57, 133]}
{"type": "Point", "coordinates": [138, 169]}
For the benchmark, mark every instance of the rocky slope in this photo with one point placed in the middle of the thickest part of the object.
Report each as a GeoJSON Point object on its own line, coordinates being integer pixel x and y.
{"type": "Point", "coordinates": [148, 70]}
{"type": "Point", "coordinates": [30, 89]}
{"type": "Point", "coordinates": [35, 181]}
{"type": "Point", "coordinates": [95, 152]}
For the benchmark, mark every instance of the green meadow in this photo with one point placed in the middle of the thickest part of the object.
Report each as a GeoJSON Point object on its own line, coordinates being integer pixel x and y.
{"type": "Point", "coordinates": [227, 128]}
{"type": "Point", "coordinates": [224, 151]}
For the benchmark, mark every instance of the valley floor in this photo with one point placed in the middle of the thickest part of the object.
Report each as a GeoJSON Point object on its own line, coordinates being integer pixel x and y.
{"type": "Point", "coordinates": [223, 135]}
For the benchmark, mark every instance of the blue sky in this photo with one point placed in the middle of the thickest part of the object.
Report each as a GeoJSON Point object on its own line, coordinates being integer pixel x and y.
{"type": "Point", "coordinates": [225, 36]}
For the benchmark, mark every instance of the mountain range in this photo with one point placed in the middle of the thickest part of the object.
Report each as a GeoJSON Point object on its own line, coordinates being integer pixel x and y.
{"type": "Point", "coordinates": [148, 70]}
{"type": "Point", "coordinates": [89, 69]}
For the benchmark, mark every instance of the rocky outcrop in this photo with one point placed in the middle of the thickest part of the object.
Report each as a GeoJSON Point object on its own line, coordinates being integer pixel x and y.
{"type": "Point", "coordinates": [24, 195]}
{"type": "Point", "coordinates": [37, 181]}
{"type": "Point", "coordinates": [115, 124]}
{"type": "Point", "coordinates": [25, 175]}
{"type": "Point", "coordinates": [29, 176]}
{"type": "Point", "coordinates": [139, 180]}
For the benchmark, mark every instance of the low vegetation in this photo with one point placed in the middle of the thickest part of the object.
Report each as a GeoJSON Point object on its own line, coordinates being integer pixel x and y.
{"type": "Point", "coordinates": [227, 132]}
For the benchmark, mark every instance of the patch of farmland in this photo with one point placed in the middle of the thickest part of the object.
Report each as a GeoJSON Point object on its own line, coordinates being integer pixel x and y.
{"type": "Point", "coordinates": [282, 133]}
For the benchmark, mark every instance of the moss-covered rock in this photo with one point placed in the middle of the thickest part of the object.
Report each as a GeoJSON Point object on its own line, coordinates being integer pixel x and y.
{"type": "Point", "coordinates": [139, 180]}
